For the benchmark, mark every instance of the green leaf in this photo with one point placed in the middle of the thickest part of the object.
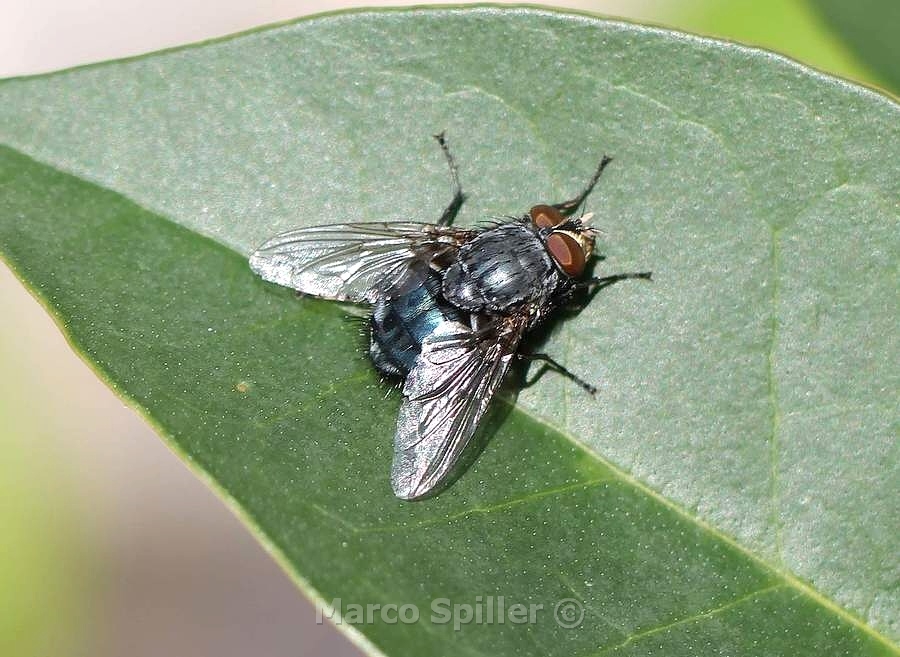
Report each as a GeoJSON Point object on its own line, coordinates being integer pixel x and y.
{"type": "Point", "coordinates": [869, 28]}
{"type": "Point", "coordinates": [733, 484]}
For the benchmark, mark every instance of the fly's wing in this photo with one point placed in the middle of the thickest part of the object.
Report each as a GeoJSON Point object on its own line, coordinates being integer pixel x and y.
{"type": "Point", "coordinates": [445, 395]}
{"type": "Point", "coordinates": [355, 262]}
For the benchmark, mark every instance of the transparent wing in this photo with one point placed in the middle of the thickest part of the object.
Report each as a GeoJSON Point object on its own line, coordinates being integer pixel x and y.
{"type": "Point", "coordinates": [354, 262]}
{"type": "Point", "coordinates": [445, 396]}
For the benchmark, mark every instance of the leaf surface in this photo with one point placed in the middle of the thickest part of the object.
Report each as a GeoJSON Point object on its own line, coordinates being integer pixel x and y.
{"type": "Point", "coordinates": [733, 484]}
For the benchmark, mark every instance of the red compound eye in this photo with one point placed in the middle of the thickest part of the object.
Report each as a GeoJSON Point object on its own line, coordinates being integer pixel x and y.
{"type": "Point", "coordinates": [545, 216]}
{"type": "Point", "coordinates": [566, 250]}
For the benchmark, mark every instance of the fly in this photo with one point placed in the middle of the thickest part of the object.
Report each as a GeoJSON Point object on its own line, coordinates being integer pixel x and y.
{"type": "Point", "coordinates": [450, 308]}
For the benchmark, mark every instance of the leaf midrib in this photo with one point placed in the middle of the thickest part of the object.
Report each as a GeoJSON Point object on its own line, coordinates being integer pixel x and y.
{"type": "Point", "coordinates": [619, 475]}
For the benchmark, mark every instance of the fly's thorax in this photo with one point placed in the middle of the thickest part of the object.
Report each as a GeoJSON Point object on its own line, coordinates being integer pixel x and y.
{"type": "Point", "coordinates": [502, 268]}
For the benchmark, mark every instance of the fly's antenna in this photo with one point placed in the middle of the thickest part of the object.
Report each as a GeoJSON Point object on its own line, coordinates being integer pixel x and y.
{"type": "Point", "coordinates": [587, 226]}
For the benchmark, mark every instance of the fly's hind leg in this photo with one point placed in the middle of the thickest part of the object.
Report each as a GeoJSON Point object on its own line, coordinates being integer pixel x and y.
{"type": "Point", "coordinates": [458, 197]}
{"type": "Point", "coordinates": [570, 206]}
{"type": "Point", "coordinates": [550, 363]}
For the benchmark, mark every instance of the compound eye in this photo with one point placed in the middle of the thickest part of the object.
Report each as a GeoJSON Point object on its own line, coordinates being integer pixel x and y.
{"type": "Point", "coordinates": [545, 216]}
{"type": "Point", "coordinates": [567, 252]}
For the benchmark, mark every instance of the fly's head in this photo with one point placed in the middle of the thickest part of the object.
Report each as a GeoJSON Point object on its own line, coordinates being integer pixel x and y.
{"type": "Point", "coordinates": [568, 240]}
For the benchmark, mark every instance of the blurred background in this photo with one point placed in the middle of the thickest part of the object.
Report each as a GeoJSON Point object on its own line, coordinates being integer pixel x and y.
{"type": "Point", "coordinates": [109, 545]}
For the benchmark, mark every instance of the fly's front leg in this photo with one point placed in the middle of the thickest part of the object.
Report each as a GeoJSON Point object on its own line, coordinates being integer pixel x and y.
{"type": "Point", "coordinates": [458, 197]}
{"type": "Point", "coordinates": [568, 207]}
{"type": "Point", "coordinates": [595, 284]}
{"type": "Point", "coordinates": [550, 363]}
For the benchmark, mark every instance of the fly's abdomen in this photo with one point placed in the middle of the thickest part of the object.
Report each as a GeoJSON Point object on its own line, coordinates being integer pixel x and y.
{"type": "Point", "coordinates": [400, 324]}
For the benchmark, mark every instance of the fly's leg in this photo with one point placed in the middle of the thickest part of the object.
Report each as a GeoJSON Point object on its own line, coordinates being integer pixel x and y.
{"type": "Point", "coordinates": [549, 363]}
{"type": "Point", "coordinates": [594, 285]}
{"type": "Point", "coordinates": [458, 197]}
{"type": "Point", "coordinates": [568, 207]}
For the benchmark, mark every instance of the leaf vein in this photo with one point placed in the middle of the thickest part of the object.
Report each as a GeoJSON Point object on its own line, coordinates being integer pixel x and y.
{"type": "Point", "coordinates": [703, 615]}
{"type": "Point", "coordinates": [500, 506]}
{"type": "Point", "coordinates": [772, 393]}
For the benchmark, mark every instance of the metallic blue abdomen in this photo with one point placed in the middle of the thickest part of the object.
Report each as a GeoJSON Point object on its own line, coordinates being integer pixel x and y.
{"type": "Point", "coordinates": [400, 324]}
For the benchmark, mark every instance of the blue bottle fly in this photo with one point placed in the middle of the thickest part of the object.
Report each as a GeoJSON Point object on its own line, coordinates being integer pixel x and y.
{"type": "Point", "coordinates": [451, 306]}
